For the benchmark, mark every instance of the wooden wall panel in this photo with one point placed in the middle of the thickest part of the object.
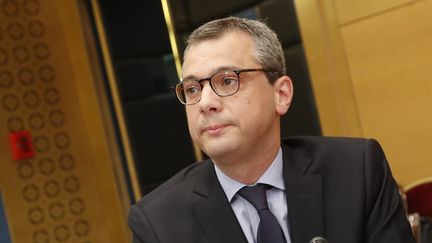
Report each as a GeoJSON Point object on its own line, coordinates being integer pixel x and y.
{"type": "Point", "coordinates": [68, 192]}
{"type": "Point", "coordinates": [328, 68]}
{"type": "Point", "coordinates": [390, 58]}
{"type": "Point", "coordinates": [350, 10]}
{"type": "Point", "coordinates": [379, 55]}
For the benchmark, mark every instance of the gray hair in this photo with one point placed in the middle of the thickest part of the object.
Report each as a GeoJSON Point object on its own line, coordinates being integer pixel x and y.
{"type": "Point", "coordinates": [268, 49]}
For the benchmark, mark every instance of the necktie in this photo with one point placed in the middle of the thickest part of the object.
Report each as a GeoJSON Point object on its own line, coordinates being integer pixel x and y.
{"type": "Point", "coordinates": [269, 230]}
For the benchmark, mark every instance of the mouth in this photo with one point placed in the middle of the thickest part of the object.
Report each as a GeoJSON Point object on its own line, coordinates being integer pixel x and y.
{"type": "Point", "coordinates": [214, 129]}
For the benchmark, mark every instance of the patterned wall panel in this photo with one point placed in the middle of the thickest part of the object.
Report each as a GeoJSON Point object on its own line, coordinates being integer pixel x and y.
{"type": "Point", "coordinates": [49, 186]}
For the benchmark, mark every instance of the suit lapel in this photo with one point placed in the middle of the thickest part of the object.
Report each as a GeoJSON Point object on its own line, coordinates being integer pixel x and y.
{"type": "Point", "coordinates": [304, 197]}
{"type": "Point", "coordinates": [214, 212]}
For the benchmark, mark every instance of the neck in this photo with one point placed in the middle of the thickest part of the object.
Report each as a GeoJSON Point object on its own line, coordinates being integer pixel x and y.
{"type": "Point", "coordinates": [248, 169]}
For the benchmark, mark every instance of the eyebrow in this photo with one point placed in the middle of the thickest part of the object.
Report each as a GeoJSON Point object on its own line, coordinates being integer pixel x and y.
{"type": "Point", "coordinates": [216, 70]}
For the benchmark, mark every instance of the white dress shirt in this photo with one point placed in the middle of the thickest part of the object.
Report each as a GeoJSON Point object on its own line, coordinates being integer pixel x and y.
{"type": "Point", "coordinates": [276, 199]}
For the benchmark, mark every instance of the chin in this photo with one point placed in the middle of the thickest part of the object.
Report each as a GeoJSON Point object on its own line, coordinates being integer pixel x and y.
{"type": "Point", "coordinates": [219, 150]}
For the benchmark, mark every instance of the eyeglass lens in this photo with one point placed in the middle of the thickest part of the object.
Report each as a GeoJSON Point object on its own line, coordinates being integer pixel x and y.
{"type": "Point", "coordinates": [223, 83]}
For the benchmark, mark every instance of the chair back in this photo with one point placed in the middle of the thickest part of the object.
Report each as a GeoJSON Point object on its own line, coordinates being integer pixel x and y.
{"type": "Point", "coordinates": [419, 198]}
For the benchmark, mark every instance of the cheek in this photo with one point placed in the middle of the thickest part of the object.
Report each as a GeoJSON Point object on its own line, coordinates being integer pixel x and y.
{"type": "Point", "coordinates": [260, 110]}
{"type": "Point", "coordinates": [191, 120]}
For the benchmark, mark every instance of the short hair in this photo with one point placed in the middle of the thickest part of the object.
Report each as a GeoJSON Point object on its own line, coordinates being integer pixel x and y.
{"type": "Point", "coordinates": [268, 49]}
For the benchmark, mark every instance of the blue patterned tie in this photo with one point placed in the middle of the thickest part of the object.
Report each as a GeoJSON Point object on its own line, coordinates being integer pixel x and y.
{"type": "Point", "coordinates": [269, 230]}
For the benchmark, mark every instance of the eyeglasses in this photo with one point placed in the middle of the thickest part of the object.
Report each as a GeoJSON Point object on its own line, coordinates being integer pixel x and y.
{"type": "Point", "coordinates": [223, 83]}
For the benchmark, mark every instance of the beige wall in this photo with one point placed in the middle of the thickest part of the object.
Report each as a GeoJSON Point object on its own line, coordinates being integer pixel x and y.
{"type": "Point", "coordinates": [371, 68]}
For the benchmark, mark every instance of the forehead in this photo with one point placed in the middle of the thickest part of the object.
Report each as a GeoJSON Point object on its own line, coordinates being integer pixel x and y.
{"type": "Point", "coordinates": [234, 49]}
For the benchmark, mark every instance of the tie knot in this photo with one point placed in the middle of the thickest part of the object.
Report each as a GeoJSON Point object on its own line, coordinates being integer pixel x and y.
{"type": "Point", "coordinates": [256, 195]}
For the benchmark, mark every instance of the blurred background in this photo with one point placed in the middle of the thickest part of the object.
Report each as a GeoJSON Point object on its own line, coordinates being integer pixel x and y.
{"type": "Point", "coordinates": [89, 123]}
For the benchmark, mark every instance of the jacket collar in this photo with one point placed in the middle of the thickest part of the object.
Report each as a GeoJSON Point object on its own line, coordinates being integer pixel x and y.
{"type": "Point", "coordinates": [214, 212]}
{"type": "Point", "coordinates": [304, 197]}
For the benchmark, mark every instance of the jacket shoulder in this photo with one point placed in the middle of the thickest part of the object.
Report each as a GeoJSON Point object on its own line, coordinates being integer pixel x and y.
{"type": "Point", "coordinates": [306, 141]}
{"type": "Point", "coordinates": [180, 183]}
{"type": "Point", "coordinates": [310, 144]}
{"type": "Point", "coordinates": [340, 152]}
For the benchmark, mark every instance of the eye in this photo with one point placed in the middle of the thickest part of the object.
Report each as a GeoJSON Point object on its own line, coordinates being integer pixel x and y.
{"type": "Point", "coordinates": [229, 81]}
{"type": "Point", "coordinates": [192, 88]}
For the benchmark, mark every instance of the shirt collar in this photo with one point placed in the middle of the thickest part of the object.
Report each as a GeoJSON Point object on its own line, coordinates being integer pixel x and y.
{"type": "Point", "coordinates": [272, 176]}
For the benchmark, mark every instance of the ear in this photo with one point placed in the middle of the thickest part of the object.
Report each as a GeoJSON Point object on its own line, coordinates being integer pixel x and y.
{"type": "Point", "coordinates": [283, 89]}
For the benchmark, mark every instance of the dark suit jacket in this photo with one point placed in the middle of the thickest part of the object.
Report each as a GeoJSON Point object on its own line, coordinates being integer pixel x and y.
{"type": "Point", "coordinates": [338, 188]}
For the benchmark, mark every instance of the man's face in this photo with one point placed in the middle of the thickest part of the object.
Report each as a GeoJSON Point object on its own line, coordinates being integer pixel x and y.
{"type": "Point", "coordinates": [233, 127]}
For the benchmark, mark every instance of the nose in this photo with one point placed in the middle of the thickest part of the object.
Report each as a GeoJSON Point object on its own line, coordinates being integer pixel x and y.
{"type": "Point", "coordinates": [210, 101]}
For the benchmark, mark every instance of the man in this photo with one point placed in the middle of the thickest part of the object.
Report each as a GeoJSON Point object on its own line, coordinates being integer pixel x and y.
{"type": "Point", "coordinates": [235, 91]}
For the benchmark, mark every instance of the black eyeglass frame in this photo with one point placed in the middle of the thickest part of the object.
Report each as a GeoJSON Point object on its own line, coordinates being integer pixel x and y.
{"type": "Point", "coordinates": [237, 72]}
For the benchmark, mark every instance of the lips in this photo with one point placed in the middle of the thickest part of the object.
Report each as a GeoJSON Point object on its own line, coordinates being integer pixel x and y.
{"type": "Point", "coordinates": [214, 128]}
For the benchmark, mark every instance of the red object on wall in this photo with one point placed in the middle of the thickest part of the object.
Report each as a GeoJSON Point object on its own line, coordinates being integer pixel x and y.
{"type": "Point", "coordinates": [21, 145]}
